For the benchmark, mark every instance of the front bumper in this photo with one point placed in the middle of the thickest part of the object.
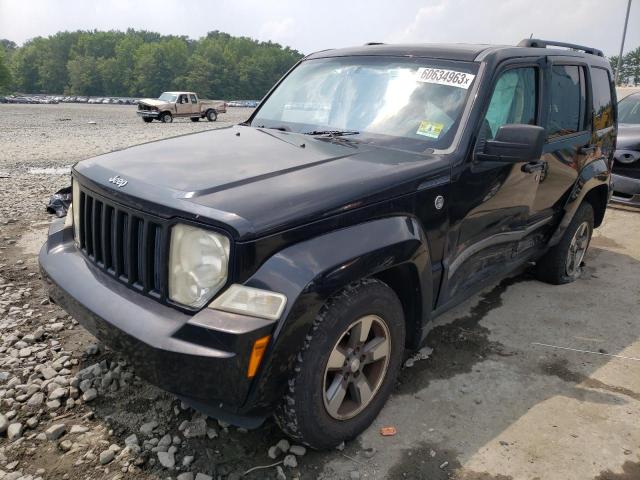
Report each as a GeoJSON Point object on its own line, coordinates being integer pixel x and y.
{"type": "Point", "coordinates": [148, 113]}
{"type": "Point", "coordinates": [201, 358]}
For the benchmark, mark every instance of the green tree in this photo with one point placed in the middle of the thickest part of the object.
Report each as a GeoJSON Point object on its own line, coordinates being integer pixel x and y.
{"type": "Point", "coordinates": [5, 74]}
{"type": "Point", "coordinates": [630, 70]}
{"type": "Point", "coordinates": [84, 77]}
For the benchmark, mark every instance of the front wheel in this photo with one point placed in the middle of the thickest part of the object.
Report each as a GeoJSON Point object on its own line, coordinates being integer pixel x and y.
{"type": "Point", "coordinates": [195, 119]}
{"type": "Point", "coordinates": [347, 367]}
{"type": "Point", "coordinates": [212, 116]}
{"type": "Point", "coordinates": [563, 262]}
{"type": "Point", "coordinates": [166, 117]}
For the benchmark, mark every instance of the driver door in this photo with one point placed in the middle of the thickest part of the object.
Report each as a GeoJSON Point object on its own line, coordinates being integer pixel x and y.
{"type": "Point", "coordinates": [492, 200]}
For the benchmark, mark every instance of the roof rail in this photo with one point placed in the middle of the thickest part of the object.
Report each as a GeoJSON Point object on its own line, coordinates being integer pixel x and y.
{"type": "Point", "coordinates": [373, 43]}
{"type": "Point", "coordinates": [537, 43]}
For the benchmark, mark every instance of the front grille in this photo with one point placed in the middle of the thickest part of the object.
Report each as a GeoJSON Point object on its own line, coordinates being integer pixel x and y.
{"type": "Point", "coordinates": [125, 243]}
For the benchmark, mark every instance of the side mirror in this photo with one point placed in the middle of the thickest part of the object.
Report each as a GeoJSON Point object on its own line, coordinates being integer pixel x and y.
{"type": "Point", "coordinates": [514, 143]}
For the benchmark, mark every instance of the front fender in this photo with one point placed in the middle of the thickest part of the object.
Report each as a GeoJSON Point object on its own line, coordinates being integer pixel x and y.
{"type": "Point", "coordinates": [591, 176]}
{"type": "Point", "coordinates": [308, 273]}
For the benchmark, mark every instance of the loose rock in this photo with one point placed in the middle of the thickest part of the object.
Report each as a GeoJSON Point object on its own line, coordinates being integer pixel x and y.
{"type": "Point", "coordinates": [54, 432]}
{"type": "Point", "coordinates": [14, 431]}
{"type": "Point", "coordinates": [297, 450]}
{"type": "Point", "coordinates": [290, 461]}
{"type": "Point", "coordinates": [107, 456]}
{"type": "Point", "coordinates": [89, 395]}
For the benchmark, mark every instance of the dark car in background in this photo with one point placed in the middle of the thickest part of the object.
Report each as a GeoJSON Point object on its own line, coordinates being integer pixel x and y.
{"type": "Point", "coordinates": [626, 169]}
{"type": "Point", "coordinates": [285, 265]}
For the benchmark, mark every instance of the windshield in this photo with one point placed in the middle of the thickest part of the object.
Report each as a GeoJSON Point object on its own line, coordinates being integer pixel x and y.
{"type": "Point", "coordinates": [412, 103]}
{"type": "Point", "coordinates": [168, 97]}
{"type": "Point", "coordinates": [629, 109]}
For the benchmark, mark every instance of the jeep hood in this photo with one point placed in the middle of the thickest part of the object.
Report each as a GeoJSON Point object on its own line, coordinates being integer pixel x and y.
{"type": "Point", "coordinates": [259, 181]}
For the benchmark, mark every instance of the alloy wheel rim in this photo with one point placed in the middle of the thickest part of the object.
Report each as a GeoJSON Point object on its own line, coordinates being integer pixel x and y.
{"type": "Point", "coordinates": [577, 249]}
{"type": "Point", "coordinates": [356, 367]}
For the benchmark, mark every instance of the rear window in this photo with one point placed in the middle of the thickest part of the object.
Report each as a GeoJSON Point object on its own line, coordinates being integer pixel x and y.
{"type": "Point", "coordinates": [602, 102]}
{"type": "Point", "coordinates": [567, 106]}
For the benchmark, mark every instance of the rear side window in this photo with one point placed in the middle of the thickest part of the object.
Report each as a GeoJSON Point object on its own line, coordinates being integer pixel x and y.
{"type": "Point", "coordinates": [602, 102]}
{"type": "Point", "coordinates": [513, 100]}
{"type": "Point", "coordinates": [193, 99]}
{"type": "Point", "coordinates": [567, 105]}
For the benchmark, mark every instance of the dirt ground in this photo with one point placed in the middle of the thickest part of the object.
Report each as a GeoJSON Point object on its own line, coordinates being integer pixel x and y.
{"type": "Point", "coordinates": [526, 380]}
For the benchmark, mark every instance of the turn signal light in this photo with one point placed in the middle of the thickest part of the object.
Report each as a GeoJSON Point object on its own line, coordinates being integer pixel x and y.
{"type": "Point", "coordinates": [257, 352]}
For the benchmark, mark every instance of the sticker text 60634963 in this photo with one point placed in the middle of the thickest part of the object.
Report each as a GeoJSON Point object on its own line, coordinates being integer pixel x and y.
{"type": "Point", "coordinates": [445, 77]}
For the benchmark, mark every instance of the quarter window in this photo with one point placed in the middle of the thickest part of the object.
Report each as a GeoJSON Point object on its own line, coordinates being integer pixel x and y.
{"type": "Point", "coordinates": [513, 101]}
{"type": "Point", "coordinates": [567, 105]}
{"type": "Point", "coordinates": [602, 102]}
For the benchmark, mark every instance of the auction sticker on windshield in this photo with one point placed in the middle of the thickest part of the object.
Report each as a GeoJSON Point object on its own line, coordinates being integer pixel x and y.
{"type": "Point", "coordinates": [445, 77]}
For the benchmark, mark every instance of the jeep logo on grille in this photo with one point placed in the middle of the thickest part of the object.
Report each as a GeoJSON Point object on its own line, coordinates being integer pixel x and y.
{"type": "Point", "coordinates": [119, 181]}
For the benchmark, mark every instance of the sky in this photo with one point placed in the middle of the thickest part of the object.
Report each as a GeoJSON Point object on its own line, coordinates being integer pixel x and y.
{"type": "Point", "coordinates": [310, 26]}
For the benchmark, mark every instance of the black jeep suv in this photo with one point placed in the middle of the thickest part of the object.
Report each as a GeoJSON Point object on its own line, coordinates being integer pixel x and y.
{"type": "Point", "coordinates": [284, 265]}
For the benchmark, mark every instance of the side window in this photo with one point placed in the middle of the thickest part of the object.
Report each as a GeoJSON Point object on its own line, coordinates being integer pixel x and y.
{"type": "Point", "coordinates": [193, 98]}
{"type": "Point", "coordinates": [513, 100]}
{"type": "Point", "coordinates": [602, 103]}
{"type": "Point", "coordinates": [567, 104]}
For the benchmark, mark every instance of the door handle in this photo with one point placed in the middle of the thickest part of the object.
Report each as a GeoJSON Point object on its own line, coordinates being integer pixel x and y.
{"type": "Point", "coordinates": [533, 167]}
{"type": "Point", "coordinates": [587, 149]}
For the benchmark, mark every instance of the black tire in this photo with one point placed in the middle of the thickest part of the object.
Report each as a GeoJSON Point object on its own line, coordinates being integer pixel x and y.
{"type": "Point", "coordinates": [147, 119]}
{"type": "Point", "coordinates": [166, 117]}
{"type": "Point", "coordinates": [195, 119]}
{"type": "Point", "coordinates": [302, 414]}
{"type": "Point", "coordinates": [212, 116]}
{"type": "Point", "coordinates": [553, 266]}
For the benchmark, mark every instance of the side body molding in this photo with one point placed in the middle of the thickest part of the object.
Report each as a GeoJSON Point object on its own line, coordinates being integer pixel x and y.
{"type": "Point", "coordinates": [591, 176]}
{"type": "Point", "coordinates": [308, 273]}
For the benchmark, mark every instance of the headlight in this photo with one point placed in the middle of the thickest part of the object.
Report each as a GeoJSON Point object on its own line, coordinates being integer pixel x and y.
{"type": "Point", "coordinates": [198, 262]}
{"type": "Point", "coordinates": [75, 208]}
{"type": "Point", "coordinates": [251, 301]}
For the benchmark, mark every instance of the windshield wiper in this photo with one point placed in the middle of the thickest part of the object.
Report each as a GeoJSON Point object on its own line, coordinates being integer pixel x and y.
{"type": "Point", "coordinates": [332, 133]}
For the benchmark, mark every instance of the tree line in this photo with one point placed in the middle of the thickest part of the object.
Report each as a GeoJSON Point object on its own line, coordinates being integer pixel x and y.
{"type": "Point", "coordinates": [139, 63]}
{"type": "Point", "coordinates": [630, 69]}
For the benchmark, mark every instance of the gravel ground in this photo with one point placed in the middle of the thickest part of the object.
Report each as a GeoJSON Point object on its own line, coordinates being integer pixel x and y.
{"type": "Point", "coordinates": [45, 136]}
{"type": "Point", "coordinates": [486, 403]}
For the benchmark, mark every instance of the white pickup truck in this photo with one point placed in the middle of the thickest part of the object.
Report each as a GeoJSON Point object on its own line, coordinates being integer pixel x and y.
{"type": "Point", "coordinates": [179, 104]}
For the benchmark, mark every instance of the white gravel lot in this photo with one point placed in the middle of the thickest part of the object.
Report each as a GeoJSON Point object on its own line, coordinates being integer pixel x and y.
{"type": "Point", "coordinates": [59, 135]}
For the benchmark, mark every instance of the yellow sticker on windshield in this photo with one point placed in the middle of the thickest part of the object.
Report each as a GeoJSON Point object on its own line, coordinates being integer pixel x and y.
{"type": "Point", "coordinates": [430, 129]}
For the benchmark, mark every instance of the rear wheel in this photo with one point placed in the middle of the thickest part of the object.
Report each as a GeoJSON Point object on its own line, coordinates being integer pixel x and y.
{"type": "Point", "coordinates": [212, 116]}
{"type": "Point", "coordinates": [147, 119]}
{"type": "Point", "coordinates": [563, 262]}
{"type": "Point", "coordinates": [195, 119]}
{"type": "Point", "coordinates": [166, 117]}
{"type": "Point", "coordinates": [347, 368]}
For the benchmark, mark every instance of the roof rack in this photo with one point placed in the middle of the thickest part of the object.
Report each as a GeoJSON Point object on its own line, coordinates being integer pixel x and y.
{"type": "Point", "coordinates": [537, 43]}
